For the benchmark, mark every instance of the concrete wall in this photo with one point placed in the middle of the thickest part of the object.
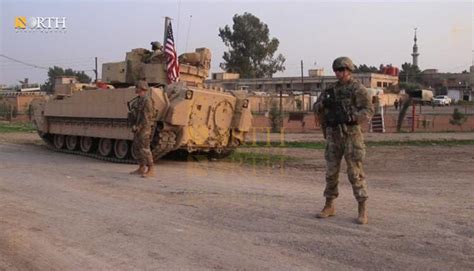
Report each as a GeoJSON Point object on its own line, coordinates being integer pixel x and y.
{"type": "Point", "coordinates": [262, 104]}
{"type": "Point", "coordinates": [455, 94]}
{"type": "Point", "coordinates": [21, 101]}
{"type": "Point", "coordinates": [423, 123]}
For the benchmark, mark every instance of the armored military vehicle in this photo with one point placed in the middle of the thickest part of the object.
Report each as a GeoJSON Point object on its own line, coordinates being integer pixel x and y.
{"type": "Point", "coordinates": [189, 116]}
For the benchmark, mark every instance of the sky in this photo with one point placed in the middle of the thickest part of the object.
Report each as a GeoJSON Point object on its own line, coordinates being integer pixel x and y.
{"type": "Point", "coordinates": [370, 32]}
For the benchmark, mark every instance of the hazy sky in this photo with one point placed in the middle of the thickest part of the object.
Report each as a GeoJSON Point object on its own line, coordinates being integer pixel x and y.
{"type": "Point", "coordinates": [370, 32]}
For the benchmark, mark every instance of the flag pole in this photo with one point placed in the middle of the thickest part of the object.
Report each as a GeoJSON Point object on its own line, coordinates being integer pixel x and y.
{"type": "Point", "coordinates": [167, 22]}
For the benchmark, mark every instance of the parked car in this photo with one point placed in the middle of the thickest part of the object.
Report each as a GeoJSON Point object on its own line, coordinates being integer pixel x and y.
{"type": "Point", "coordinates": [442, 100]}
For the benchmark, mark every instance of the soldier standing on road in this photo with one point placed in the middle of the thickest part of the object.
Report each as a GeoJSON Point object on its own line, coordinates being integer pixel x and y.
{"type": "Point", "coordinates": [142, 109]}
{"type": "Point", "coordinates": [344, 108]}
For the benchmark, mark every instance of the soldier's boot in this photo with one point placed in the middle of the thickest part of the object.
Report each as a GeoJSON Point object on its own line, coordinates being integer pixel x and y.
{"type": "Point", "coordinates": [150, 172]}
{"type": "Point", "coordinates": [328, 210]}
{"type": "Point", "coordinates": [139, 171]}
{"type": "Point", "coordinates": [362, 218]}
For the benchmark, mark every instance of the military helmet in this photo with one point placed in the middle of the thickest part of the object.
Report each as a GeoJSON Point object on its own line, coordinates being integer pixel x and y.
{"type": "Point", "coordinates": [156, 45]}
{"type": "Point", "coordinates": [343, 62]}
{"type": "Point", "coordinates": [142, 84]}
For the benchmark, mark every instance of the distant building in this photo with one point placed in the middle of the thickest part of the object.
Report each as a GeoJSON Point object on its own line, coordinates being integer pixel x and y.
{"type": "Point", "coordinates": [451, 84]}
{"type": "Point", "coordinates": [65, 80]}
{"type": "Point", "coordinates": [66, 85]}
{"type": "Point", "coordinates": [225, 76]}
{"type": "Point", "coordinates": [27, 87]}
{"type": "Point", "coordinates": [314, 83]}
{"type": "Point", "coordinates": [455, 95]}
{"type": "Point", "coordinates": [20, 96]}
{"type": "Point", "coordinates": [316, 72]}
{"type": "Point", "coordinates": [24, 86]}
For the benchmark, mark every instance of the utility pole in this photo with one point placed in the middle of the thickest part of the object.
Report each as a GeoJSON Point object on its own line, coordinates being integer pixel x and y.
{"type": "Point", "coordinates": [281, 102]}
{"type": "Point", "coordinates": [95, 70]}
{"type": "Point", "coordinates": [281, 109]}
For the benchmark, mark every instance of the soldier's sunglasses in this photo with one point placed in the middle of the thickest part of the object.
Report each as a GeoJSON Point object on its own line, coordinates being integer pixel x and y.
{"type": "Point", "coordinates": [340, 69]}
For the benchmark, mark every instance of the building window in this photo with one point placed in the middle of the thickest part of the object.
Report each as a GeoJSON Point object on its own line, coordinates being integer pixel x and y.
{"type": "Point", "coordinates": [385, 84]}
{"type": "Point", "coordinates": [288, 85]}
{"type": "Point", "coordinates": [379, 84]}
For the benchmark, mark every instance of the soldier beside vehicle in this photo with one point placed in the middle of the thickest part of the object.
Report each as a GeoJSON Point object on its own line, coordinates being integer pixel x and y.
{"type": "Point", "coordinates": [141, 118]}
{"type": "Point", "coordinates": [342, 109]}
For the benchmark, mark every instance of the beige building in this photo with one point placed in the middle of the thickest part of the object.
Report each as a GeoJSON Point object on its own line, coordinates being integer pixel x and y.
{"type": "Point", "coordinates": [314, 83]}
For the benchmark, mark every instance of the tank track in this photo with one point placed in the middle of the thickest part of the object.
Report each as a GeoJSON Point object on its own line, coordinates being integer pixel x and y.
{"type": "Point", "coordinates": [166, 145]}
{"type": "Point", "coordinates": [51, 146]}
{"type": "Point", "coordinates": [166, 140]}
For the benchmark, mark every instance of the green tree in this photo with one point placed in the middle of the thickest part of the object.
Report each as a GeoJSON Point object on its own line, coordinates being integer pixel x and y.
{"type": "Point", "coordinates": [364, 68]}
{"type": "Point", "coordinates": [250, 49]}
{"type": "Point", "coordinates": [408, 86]}
{"type": "Point", "coordinates": [54, 72]}
{"type": "Point", "coordinates": [458, 118]}
{"type": "Point", "coordinates": [410, 73]}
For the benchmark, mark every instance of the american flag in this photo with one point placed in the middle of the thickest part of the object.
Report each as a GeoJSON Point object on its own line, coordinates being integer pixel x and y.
{"type": "Point", "coordinates": [172, 65]}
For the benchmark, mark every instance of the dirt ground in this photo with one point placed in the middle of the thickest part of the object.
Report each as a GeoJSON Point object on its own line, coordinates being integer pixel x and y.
{"type": "Point", "coordinates": [66, 212]}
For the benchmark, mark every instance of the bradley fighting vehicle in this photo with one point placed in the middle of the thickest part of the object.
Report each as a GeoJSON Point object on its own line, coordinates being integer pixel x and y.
{"type": "Point", "coordinates": [189, 116]}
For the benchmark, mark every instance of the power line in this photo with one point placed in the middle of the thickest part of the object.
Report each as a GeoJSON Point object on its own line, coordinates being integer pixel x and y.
{"type": "Point", "coordinates": [24, 63]}
{"type": "Point", "coordinates": [34, 65]}
{"type": "Point", "coordinates": [19, 65]}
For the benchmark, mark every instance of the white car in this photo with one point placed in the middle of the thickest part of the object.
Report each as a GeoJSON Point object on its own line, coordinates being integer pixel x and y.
{"type": "Point", "coordinates": [441, 100]}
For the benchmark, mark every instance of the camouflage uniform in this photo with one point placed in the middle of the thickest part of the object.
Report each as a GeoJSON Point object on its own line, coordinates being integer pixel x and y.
{"type": "Point", "coordinates": [142, 130]}
{"type": "Point", "coordinates": [346, 140]}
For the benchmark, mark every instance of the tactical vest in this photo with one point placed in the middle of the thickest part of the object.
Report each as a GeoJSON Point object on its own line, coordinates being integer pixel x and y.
{"type": "Point", "coordinates": [338, 108]}
{"type": "Point", "coordinates": [135, 110]}
{"type": "Point", "coordinates": [132, 116]}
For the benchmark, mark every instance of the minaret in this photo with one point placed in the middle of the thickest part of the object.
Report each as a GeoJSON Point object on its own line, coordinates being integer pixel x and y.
{"type": "Point", "coordinates": [415, 53]}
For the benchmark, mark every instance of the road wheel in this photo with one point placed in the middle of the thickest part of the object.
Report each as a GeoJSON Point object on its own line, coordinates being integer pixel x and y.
{"type": "Point", "coordinates": [105, 147]}
{"type": "Point", "coordinates": [86, 144]}
{"type": "Point", "coordinates": [121, 148]}
{"type": "Point", "coordinates": [58, 141]}
{"type": "Point", "coordinates": [71, 142]}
